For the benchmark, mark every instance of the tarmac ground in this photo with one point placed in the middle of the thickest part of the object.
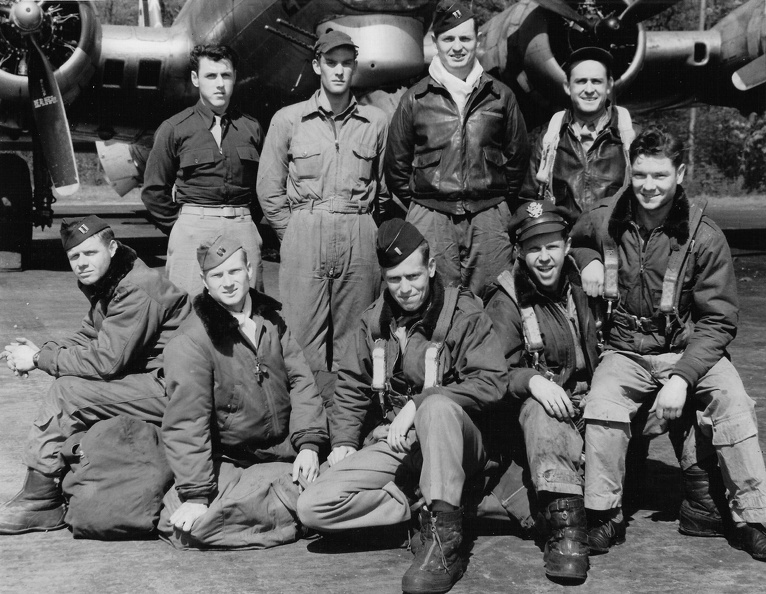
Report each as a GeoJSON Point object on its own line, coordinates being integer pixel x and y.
{"type": "Point", "coordinates": [43, 303]}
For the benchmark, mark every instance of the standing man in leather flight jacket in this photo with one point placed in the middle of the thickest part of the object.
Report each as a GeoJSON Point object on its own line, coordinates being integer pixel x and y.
{"type": "Point", "coordinates": [548, 335]}
{"type": "Point", "coordinates": [582, 157]}
{"type": "Point", "coordinates": [457, 154]}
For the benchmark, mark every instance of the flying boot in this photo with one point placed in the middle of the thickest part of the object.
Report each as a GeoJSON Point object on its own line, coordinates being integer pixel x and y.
{"type": "Point", "coordinates": [566, 552]}
{"type": "Point", "coordinates": [604, 530]}
{"type": "Point", "coordinates": [704, 510]}
{"type": "Point", "coordinates": [38, 507]}
{"type": "Point", "coordinates": [438, 563]}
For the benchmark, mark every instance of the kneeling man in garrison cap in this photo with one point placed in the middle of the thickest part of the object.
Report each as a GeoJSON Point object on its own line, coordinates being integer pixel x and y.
{"type": "Point", "coordinates": [111, 366]}
{"type": "Point", "coordinates": [416, 382]}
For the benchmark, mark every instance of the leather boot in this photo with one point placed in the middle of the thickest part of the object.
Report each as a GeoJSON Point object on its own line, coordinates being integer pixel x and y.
{"type": "Point", "coordinates": [704, 510]}
{"type": "Point", "coordinates": [38, 507]}
{"type": "Point", "coordinates": [438, 563]}
{"type": "Point", "coordinates": [566, 552]}
{"type": "Point", "coordinates": [752, 539]}
{"type": "Point", "coordinates": [604, 532]}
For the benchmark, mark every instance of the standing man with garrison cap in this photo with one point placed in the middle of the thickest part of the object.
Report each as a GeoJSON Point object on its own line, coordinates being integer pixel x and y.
{"type": "Point", "coordinates": [582, 156]}
{"type": "Point", "coordinates": [321, 179]}
{"type": "Point", "coordinates": [111, 366]}
{"type": "Point", "coordinates": [423, 367]}
{"type": "Point", "coordinates": [201, 173]}
{"type": "Point", "coordinates": [457, 154]}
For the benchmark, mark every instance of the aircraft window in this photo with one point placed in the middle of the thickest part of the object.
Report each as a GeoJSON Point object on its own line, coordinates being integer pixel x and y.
{"type": "Point", "coordinates": [149, 73]}
{"type": "Point", "coordinates": [113, 71]}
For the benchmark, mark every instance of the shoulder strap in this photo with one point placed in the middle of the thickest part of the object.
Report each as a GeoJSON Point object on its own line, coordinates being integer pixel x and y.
{"type": "Point", "coordinates": [677, 263]}
{"type": "Point", "coordinates": [611, 260]}
{"type": "Point", "coordinates": [533, 339]}
{"type": "Point", "coordinates": [625, 126]}
{"type": "Point", "coordinates": [451, 295]}
{"type": "Point", "coordinates": [550, 145]}
{"type": "Point", "coordinates": [433, 364]}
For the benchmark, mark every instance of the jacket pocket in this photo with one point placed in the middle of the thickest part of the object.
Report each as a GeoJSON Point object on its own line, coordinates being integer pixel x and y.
{"type": "Point", "coordinates": [248, 153]}
{"type": "Point", "coordinates": [308, 162]}
{"type": "Point", "coordinates": [363, 159]}
{"type": "Point", "coordinates": [196, 157]}
{"type": "Point", "coordinates": [426, 170]}
{"type": "Point", "coordinates": [495, 161]}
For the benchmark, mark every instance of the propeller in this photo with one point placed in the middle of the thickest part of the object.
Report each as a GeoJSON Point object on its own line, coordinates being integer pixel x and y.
{"type": "Point", "coordinates": [641, 10]}
{"type": "Point", "coordinates": [751, 75]}
{"type": "Point", "coordinates": [51, 121]}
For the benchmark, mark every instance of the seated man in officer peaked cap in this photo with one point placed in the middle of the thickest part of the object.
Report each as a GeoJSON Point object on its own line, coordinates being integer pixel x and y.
{"type": "Point", "coordinates": [111, 366]}
{"type": "Point", "coordinates": [542, 297]}
{"type": "Point", "coordinates": [423, 366]}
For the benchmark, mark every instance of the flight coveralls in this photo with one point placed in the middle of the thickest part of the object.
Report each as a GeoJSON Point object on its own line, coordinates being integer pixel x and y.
{"type": "Point", "coordinates": [113, 364]}
{"type": "Point", "coordinates": [553, 447]}
{"type": "Point", "coordinates": [460, 177]}
{"type": "Point", "coordinates": [214, 188]}
{"type": "Point", "coordinates": [237, 415]}
{"type": "Point", "coordinates": [643, 352]}
{"type": "Point", "coordinates": [373, 486]}
{"type": "Point", "coordinates": [319, 182]}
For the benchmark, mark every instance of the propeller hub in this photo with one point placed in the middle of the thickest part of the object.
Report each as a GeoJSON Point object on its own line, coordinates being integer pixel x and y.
{"type": "Point", "coordinates": [27, 16]}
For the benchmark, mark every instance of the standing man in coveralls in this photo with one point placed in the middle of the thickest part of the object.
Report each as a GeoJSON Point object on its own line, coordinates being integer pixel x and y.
{"type": "Point", "coordinates": [457, 154]}
{"type": "Point", "coordinates": [319, 182]}
{"type": "Point", "coordinates": [210, 153]}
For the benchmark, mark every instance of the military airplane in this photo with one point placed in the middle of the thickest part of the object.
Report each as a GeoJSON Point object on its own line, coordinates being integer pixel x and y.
{"type": "Point", "coordinates": [66, 79]}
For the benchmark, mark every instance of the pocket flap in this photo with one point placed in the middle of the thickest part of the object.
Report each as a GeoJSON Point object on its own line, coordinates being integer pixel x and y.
{"type": "Point", "coordinates": [428, 159]}
{"type": "Point", "coordinates": [196, 157]}
{"type": "Point", "coordinates": [365, 152]}
{"type": "Point", "coordinates": [248, 153]}
{"type": "Point", "coordinates": [495, 156]}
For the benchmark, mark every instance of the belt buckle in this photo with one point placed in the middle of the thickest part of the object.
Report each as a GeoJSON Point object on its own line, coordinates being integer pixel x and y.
{"type": "Point", "coordinates": [644, 324]}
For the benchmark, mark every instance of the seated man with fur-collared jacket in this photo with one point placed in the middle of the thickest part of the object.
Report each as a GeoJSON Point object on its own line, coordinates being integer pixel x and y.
{"type": "Point", "coordinates": [244, 421]}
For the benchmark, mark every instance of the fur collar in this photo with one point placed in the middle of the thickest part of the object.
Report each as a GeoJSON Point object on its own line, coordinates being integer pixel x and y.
{"type": "Point", "coordinates": [219, 324]}
{"type": "Point", "coordinates": [431, 316]}
{"type": "Point", "coordinates": [121, 265]}
{"type": "Point", "coordinates": [527, 292]}
{"type": "Point", "coordinates": [676, 226]}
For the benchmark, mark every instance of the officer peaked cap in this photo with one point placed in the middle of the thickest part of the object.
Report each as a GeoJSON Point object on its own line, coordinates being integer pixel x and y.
{"type": "Point", "coordinates": [539, 218]}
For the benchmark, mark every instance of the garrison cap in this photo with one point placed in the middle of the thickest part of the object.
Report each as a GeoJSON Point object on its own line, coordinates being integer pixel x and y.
{"type": "Point", "coordinates": [449, 14]}
{"type": "Point", "coordinates": [397, 239]}
{"type": "Point", "coordinates": [216, 250]}
{"type": "Point", "coordinates": [538, 218]}
{"type": "Point", "coordinates": [332, 39]}
{"type": "Point", "coordinates": [73, 233]}
{"type": "Point", "coordinates": [589, 53]}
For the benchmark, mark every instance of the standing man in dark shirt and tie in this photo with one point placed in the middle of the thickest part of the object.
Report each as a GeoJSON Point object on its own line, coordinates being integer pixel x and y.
{"type": "Point", "coordinates": [210, 152]}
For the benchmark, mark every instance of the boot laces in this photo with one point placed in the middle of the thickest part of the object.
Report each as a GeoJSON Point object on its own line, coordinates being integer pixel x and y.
{"type": "Point", "coordinates": [439, 542]}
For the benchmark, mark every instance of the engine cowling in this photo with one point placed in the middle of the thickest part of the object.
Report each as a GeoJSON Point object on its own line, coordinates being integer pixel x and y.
{"type": "Point", "coordinates": [70, 37]}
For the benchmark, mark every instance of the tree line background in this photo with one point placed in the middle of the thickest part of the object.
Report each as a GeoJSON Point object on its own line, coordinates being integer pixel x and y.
{"type": "Point", "coordinates": [730, 148]}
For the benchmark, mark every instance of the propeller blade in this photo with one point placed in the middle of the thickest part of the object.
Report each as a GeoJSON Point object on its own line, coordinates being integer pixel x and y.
{"type": "Point", "coordinates": [641, 10]}
{"type": "Point", "coordinates": [751, 75]}
{"type": "Point", "coordinates": [561, 8]}
{"type": "Point", "coordinates": [51, 121]}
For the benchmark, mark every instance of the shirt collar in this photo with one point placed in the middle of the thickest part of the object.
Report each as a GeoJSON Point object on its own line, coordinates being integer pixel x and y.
{"type": "Point", "coordinates": [316, 105]}
{"type": "Point", "coordinates": [246, 313]}
{"type": "Point", "coordinates": [208, 116]}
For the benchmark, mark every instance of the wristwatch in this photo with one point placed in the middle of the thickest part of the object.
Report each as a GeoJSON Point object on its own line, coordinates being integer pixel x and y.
{"type": "Point", "coordinates": [36, 358]}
